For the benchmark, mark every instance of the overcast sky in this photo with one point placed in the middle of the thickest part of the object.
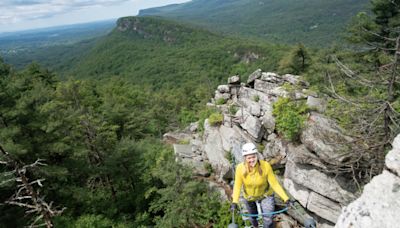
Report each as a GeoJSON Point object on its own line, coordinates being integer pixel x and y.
{"type": "Point", "coordinates": [28, 14]}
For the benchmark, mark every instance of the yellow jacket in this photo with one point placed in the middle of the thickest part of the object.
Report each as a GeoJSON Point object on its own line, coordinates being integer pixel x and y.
{"type": "Point", "coordinates": [256, 186]}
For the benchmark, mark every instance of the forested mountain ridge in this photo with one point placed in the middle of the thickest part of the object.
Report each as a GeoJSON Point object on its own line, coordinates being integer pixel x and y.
{"type": "Point", "coordinates": [313, 22]}
{"type": "Point", "coordinates": [161, 52]}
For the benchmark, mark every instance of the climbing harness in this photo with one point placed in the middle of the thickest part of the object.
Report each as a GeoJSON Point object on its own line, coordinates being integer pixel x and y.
{"type": "Point", "coordinates": [265, 214]}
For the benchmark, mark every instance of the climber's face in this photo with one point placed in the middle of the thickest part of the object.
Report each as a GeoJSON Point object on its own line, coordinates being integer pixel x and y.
{"type": "Point", "coordinates": [251, 159]}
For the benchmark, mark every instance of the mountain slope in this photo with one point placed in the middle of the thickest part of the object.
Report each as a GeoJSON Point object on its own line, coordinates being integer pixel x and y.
{"type": "Point", "coordinates": [315, 22]}
{"type": "Point", "coordinates": [164, 53]}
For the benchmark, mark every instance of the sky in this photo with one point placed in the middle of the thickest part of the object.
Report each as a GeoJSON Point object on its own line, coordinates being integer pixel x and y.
{"type": "Point", "coordinates": [16, 15]}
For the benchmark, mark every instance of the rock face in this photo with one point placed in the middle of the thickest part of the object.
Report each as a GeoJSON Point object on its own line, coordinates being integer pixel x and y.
{"type": "Point", "coordinates": [247, 110]}
{"type": "Point", "coordinates": [326, 139]}
{"type": "Point", "coordinates": [379, 204]}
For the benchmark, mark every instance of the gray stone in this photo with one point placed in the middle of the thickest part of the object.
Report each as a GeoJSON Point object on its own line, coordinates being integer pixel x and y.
{"type": "Point", "coordinates": [275, 148]}
{"type": "Point", "coordinates": [265, 101]}
{"type": "Point", "coordinates": [251, 106]}
{"type": "Point", "coordinates": [184, 151]}
{"type": "Point", "coordinates": [377, 207]}
{"type": "Point", "coordinates": [253, 76]}
{"type": "Point", "coordinates": [320, 205]}
{"type": "Point", "coordinates": [301, 194]}
{"type": "Point", "coordinates": [185, 155]}
{"type": "Point", "coordinates": [234, 79]}
{"type": "Point", "coordinates": [251, 124]}
{"type": "Point", "coordinates": [323, 207]}
{"type": "Point", "coordinates": [176, 137]}
{"type": "Point", "coordinates": [214, 150]}
{"type": "Point", "coordinates": [301, 155]}
{"type": "Point", "coordinates": [224, 96]}
{"type": "Point", "coordinates": [396, 143]}
{"type": "Point", "coordinates": [392, 159]}
{"type": "Point", "coordinates": [292, 79]}
{"type": "Point", "coordinates": [324, 137]}
{"type": "Point", "coordinates": [272, 78]}
{"type": "Point", "coordinates": [318, 182]}
{"type": "Point", "coordinates": [223, 88]}
{"type": "Point", "coordinates": [317, 104]}
{"type": "Point", "coordinates": [299, 96]}
{"type": "Point", "coordinates": [279, 92]}
{"type": "Point", "coordinates": [233, 139]}
{"type": "Point", "coordinates": [263, 86]}
{"type": "Point", "coordinates": [268, 120]}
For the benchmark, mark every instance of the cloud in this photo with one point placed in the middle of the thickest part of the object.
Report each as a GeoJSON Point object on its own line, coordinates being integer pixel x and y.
{"type": "Point", "coordinates": [13, 11]}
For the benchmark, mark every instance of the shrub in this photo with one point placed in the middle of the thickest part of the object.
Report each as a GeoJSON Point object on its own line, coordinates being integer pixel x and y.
{"type": "Point", "coordinates": [215, 119]}
{"type": "Point", "coordinates": [256, 98]}
{"type": "Point", "coordinates": [233, 109]}
{"type": "Point", "coordinates": [290, 117]}
{"type": "Point", "coordinates": [220, 101]}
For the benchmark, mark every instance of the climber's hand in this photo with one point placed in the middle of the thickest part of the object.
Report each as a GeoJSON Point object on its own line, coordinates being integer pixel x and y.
{"type": "Point", "coordinates": [233, 207]}
{"type": "Point", "coordinates": [290, 203]}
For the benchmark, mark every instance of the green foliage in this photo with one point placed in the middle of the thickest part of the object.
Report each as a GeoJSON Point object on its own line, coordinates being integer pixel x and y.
{"type": "Point", "coordinates": [264, 20]}
{"type": "Point", "coordinates": [225, 217]}
{"type": "Point", "coordinates": [104, 164]}
{"type": "Point", "coordinates": [256, 98]}
{"type": "Point", "coordinates": [296, 62]}
{"type": "Point", "coordinates": [182, 200]}
{"type": "Point", "coordinates": [290, 117]}
{"type": "Point", "coordinates": [220, 101]}
{"type": "Point", "coordinates": [260, 147]}
{"type": "Point", "coordinates": [233, 109]}
{"type": "Point", "coordinates": [208, 167]}
{"type": "Point", "coordinates": [215, 119]}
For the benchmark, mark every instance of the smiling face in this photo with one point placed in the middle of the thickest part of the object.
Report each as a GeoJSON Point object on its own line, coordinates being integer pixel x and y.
{"type": "Point", "coordinates": [251, 159]}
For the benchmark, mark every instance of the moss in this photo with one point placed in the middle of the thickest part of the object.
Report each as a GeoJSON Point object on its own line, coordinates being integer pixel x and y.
{"type": "Point", "coordinates": [215, 119]}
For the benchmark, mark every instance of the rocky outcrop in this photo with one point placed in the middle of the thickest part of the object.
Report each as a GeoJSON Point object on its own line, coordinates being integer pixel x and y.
{"type": "Point", "coordinates": [379, 204]}
{"type": "Point", "coordinates": [322, 136]}
{"type": "Point", "coordinates": [248, 117]}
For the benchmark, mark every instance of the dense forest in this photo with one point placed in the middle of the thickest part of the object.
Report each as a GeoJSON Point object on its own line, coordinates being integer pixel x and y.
{"type": "Point", "coordinates": [312, 22]}
{"type": "Point", "coordinates": [80, 134]}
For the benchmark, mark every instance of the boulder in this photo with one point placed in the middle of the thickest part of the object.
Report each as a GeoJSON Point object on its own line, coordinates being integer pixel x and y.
{"type": "Point", "coordinates": [251, 106]}
{"type": "Point", "coordinates": [264, 86]}
{"type": "Point", "coordinates": [232, 141]}
{"type": "Point", "coordinates": [378, 206]}
{"type": "Point", "coordinates": [251, 124]}
{"type": "Point", "coordinates": [317, 104]}
{"type": "Point", "coordinates": [301, 194]}
{"type": "Point", "coordinates": [234, 80]}
{"type": "Point", "coordinates": [324, 137]}
{"type": "Point", "coordinates": [292, 79]}
{"type": "Point", "coordinates": [392, 159]}
{"type": "Point", "coordinates": [272, 78]}
{"type": "Point", "coordinates": [214, 150]}
{"type": "Point", "coordinates": [253, 76]}
{"type": "Point", "coordinates": [323, 207]}
{"type": "Point", "coordinates": [224, 96]}
{"type": "Point", "coordinates": [186, 155]}
{"type": "Point", "coordinates": [299, 154]}
{"type": "Point", "coordinates": [268, 120]}
{"type": "Point", "coordinates": [319, 182]}
{"type": "Point", "coordinates": [223, 88]}
{"type": "Point", "coordinates": [264, 100]}
{"type": "Point", "coordinates": [275, 148]}
{"type": "Point", "coordinates": [176, 137]}
{"type": "Point", "coordinates": [316, 203]}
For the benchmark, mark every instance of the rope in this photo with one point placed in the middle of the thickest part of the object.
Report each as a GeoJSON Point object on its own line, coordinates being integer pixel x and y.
{"type": "Point", "coordinates": [265, 214]}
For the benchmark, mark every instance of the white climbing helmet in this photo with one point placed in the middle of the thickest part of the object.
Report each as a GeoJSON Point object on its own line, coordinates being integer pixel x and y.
{"type": "Point", "coordinates": [249, 148]}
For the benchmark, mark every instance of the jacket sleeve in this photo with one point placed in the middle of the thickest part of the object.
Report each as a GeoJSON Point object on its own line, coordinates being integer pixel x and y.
{"type": "Point", "coordinates": [238, 184]}
{"type": "Point", "coordinates": [273, 182]}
